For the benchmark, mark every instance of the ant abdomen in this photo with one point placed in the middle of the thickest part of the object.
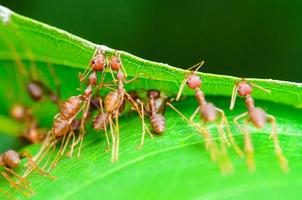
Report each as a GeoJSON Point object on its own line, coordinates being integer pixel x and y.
{"type": "Point", "coordinates": [71, 107]}
{"type": "Point", "coordinates": [11, 159]}
{"type": "Point", "coordinates": [258, 117]}
{"type": "Point", "coordinates": [111, 101]}
{"type": "Point", "coordinates": [100, 121]}
{"type": "Point", "coordinates": [60, 126]}
{"type": "Point", "coordinates": [208, 112]}
{"type": "Point", "coordinates": [158, 123]}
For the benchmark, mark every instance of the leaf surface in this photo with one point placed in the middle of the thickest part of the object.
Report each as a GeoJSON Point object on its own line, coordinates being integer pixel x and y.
{"type": "Point", "coordinates": [174, 165]}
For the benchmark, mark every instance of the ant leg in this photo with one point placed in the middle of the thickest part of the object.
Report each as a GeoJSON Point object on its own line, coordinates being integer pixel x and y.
{"type": "Point", "coordinates": [69, 154]}
{"type": "Point", "coordinates": [35, 166]}
{"type": "Point", "coordinates": [210, 144]}
{"type": "Point", "coordinates": [181, 88]}
{"type": "Point", "coordinates": [229, 132]}
{"type": "Point", "coordinates": [107, 148]}
{"type": "Point", "coordinates": [59, 153]}
{"type": "Point", "coordinates": [195, 113]}
{"type": "Point", "coordinates": [236, 119]}
{"type": "Point", "coordinates": [7, 194]}
{"type": "Point", "coordinates": [226, 164]}
{"type": "Point", "coordinates": [143, 122]}
{"type": "Point", "coordinates": [112, 74]}
{"type": "Point", "coordinates": [40, 155]}
{"type": "Point", "coordinates": [112, 138]}
{"type": "Point", "coordinates": [278, 150]}
{"type": "Point", "coordinates": [248, 146]}
{"type": "Point", "coordinates": [105, 127]}
{"type": "Point", "coordinates": [249, 149]}
{"type": "Point", "coordinates": [24, 181]}
{"type": "Point", "coordinates": [234, 95]}
{"type": "Point", "coordinates": [15, 185]}
{"type": "Point", "coordinates": [135, 106]}
{"type": "Point", "coordinates": [186, 119]}
{"type": "Point", "coordinates": [133, 79]}
{"type": "Point", "coordinates": [117, 135]}
{"type": "Point", "coordinates": [82, 127]}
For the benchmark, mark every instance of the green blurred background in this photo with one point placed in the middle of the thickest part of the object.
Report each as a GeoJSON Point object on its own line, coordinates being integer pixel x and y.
{"type": "Point", "coordinates": [260, 38]}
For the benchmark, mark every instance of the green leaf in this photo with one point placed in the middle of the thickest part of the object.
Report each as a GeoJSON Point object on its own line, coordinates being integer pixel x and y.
{"type": "Point", "coordinates": [174, 165]}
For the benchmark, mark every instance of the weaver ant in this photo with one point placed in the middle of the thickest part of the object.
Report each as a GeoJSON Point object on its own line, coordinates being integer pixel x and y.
{"type": "Point", "coordinates": [10, 160]}
{"type": "Point", "coordinates": [65, 122]}
{"type": "Point", "coordinates": [258, 117]}
{"type": "Point", "coordinates": [209, 113]}
{"type": "Point", "coordinates": [115, 100]}
{"type": "Point", "coordinates": [157, 105]}
{"type": "Point", "coordinates": [32, 133]}
{"type": "Point", "coordinates": [36, 88]}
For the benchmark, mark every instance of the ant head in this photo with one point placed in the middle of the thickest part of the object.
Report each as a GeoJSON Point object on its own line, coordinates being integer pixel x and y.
{"type": "Point", "coordinates": [244, 88]}
{"type": "Point", "coordinates": [11, 158]}
{"type": "Point", "coordinates": [153, 94]}
{"type": "Point", "coordinates": [98, 62]}
{"type": "Point", "coordinates": [115, 63]}
{"type": "Point", "coordinates": [19, 112]}
{"type": "Point", "coordinates": [193, 81]}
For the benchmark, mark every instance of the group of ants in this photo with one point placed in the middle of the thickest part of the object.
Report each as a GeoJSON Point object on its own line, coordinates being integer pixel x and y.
{"type": "Point", "coordinates": [69, 125]}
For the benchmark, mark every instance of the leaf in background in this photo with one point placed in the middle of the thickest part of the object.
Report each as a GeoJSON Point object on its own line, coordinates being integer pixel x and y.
{"type": "Point", "coordinates": [171, 166]}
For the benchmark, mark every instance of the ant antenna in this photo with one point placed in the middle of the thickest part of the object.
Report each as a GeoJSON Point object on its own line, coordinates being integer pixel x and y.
{"type": "Point", "coordinates": [198, 65]}
{"type": "Point", "coordinates": [118, 54]}
{"type": "Point", "coordinates": [87, 71]}
{"type": "Point", "coordinates": [260, 88]}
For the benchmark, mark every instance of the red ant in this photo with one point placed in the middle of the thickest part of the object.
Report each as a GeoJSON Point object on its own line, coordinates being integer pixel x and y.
{"type": "Point", "coordinates": [208, 113]}
{"type": "Point", "coordinates": [37, 90]}
{"type": "Point", "coordinates": [32, 133]}
{"type": "Point", "coordinates": [156, 110]}
{"type": "Point", "coordinates": [64, 121]}
{"type": "Point", "coordinates": [115, 100]}
{"type": "Point", "coordinates": [258, 118]}
{"type": "Point", "coordinates": [11, 160]}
